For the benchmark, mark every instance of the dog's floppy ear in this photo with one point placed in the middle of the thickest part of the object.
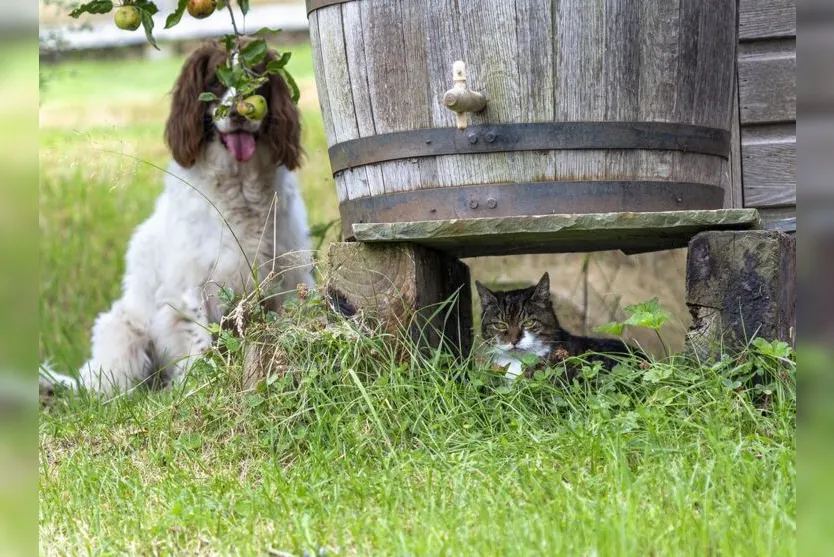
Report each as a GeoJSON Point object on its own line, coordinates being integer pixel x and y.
{"type": "Point", "coordinates": [185, 130]}
{"type": "Point", "coordinates": [283, 124]}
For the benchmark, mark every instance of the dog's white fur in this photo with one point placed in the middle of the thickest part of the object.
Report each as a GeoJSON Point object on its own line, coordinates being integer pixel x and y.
{"type": "Point", "coordinates": [213, 220]}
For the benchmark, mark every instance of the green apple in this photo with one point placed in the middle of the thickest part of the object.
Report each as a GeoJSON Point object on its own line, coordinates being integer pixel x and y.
{"type": "Point", "coordinates": [201, 9]}
{"type": "Point", "coordinates": [252, 108]}
{"type": "Point", "coordinates": [128, 18]}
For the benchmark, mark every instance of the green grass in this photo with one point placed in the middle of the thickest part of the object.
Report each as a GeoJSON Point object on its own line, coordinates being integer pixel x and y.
{"type": "Point", "coordinates": [360, 446]}
{"type": "Point", "coordinates": [353, 445]}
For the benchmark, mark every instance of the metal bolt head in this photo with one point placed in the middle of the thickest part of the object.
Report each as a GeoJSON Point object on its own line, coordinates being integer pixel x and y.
{"type": "Point", "coordinates": [491, 203]}
{"type": "Point", "coordinates": [490, 137]}
{"type": "Point", "coordinates": [473, 203]}
{"type": "Point", "coordinates": [473, 138]}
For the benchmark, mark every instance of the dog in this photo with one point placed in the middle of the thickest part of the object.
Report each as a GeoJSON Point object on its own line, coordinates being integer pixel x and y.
{"type": "Point", "coordinates": [230, 215]}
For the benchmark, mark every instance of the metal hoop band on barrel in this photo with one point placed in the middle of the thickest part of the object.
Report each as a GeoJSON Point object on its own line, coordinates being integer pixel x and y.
{"type": "Point", "coordinates": [532, 198]}
{"type": "Point", "coordinates": [529, 137]}
{"type": "Point", "coordinates": [313, 5]}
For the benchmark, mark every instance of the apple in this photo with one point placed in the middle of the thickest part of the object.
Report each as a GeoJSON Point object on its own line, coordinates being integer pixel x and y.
{"type": "Point", "coordinates": [201, 9]}
{"type": "Point", "coordinates": [252, 108]}
{"type": "Point", "coordinates": [127, 18]}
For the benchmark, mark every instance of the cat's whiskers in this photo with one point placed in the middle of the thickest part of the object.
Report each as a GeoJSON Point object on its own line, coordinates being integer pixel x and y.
{"type": "Point", "coordinates": [532, 344]}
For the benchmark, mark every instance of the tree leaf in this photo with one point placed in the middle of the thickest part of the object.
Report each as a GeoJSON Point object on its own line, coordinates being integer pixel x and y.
{"type": "Point", "coordinates": [226, 76]}
{"type": "Point", "coordinates": [254, 52]}
{"type": "Point", "coordinates": [176, 15]}
{"type": "Point", "coordinates": [296, 93]}
{"type": "Point", "coordinates": [94, 7]}
{"type": "Point", "coordinates": [251, 86]}
{"type": "Point", "coordinates": [244, 6]}
{"type": "Point", "coordinates": [147, 24]}
{"type": "Point", "coordinates": [221, 5]}
{"type": "Point", "coordinates": [265, 31]}
{"type": "Point", "coordinates": [208, 97]}
{"type": "Point", "coordinates": [276, 65]}
{"type": "Point", "coordinates": [240, 78]}
{"type": "Point", "coordinates": [146, 6]}
{"type": "Point", "coordinates": [229, 41]}
{"type": "Point", "coordinates": [221, 112]}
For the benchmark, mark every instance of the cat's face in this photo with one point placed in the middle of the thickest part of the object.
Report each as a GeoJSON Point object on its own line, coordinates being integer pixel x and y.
{"type": "Point", "coordinates": [521, 320]}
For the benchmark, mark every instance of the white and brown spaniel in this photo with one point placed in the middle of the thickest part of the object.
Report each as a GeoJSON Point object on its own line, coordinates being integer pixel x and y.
{"type": "Point", "coordinates": [230, 213]}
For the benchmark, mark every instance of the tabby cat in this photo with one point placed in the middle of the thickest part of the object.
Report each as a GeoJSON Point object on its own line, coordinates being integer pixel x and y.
{"type": "Point", "coordinates": [519, 322]}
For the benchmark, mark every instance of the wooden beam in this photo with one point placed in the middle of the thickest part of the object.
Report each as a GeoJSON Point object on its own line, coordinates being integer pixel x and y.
{"type": "Point", "coordinates": [404, 288]}
{"type": "Point", "coordinates": [629, 232]}
{"type": "Point", "coordinates": [740, 285]}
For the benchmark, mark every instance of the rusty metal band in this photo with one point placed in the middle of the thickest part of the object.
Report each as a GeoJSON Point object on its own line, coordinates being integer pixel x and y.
{"type": "Point", "coordinates": [543, 136]}
{"type": "Point", "coordinates": [530, 198]}
{"type": "Point", "coordinates": [313, 5]}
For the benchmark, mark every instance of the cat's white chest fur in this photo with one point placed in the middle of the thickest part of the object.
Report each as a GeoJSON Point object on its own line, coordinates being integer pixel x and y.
{"type": "Point", "coordinates": [511, 363]}
{"type": "Point", "coordinates": [505, 355]}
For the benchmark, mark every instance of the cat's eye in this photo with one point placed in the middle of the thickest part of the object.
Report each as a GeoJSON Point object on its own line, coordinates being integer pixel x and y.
{"type": "Point", "coordinates": [527, 323]}
{"type": "Point", "coordinates": [501, 327]}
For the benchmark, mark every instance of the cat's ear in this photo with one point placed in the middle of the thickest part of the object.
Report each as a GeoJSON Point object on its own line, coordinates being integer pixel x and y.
{"type": "Point", "coordinates": [542, 291]}
{"type": "Point", "coordinates": [487, 297]}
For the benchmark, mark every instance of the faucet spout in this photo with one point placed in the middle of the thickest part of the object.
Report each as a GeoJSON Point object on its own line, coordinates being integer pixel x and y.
{"type": "Point", "coordinates": [460, 99]}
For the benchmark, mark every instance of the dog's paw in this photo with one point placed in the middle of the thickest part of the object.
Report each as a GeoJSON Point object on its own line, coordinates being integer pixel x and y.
{"type": "Point", "coordinates": [51, 383]}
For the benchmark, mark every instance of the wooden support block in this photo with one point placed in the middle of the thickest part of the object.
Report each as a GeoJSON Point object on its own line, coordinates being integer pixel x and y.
{"type": "Point", "coordinates": [740, 285]}
{"type": "Point", "coordinates": [403, 285]}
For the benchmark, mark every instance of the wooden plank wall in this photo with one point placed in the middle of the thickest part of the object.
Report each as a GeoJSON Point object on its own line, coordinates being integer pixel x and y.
{"type": "Point", "coordinates": [767, 109]}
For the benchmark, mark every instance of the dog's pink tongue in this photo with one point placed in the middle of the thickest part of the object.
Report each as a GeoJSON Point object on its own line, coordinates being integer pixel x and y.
{"type": "Point", "coordinates": [240, 144]}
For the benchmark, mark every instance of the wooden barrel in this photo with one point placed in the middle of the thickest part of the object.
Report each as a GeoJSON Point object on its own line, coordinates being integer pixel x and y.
{"type": "Point", "coordinates": [592, 106]}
